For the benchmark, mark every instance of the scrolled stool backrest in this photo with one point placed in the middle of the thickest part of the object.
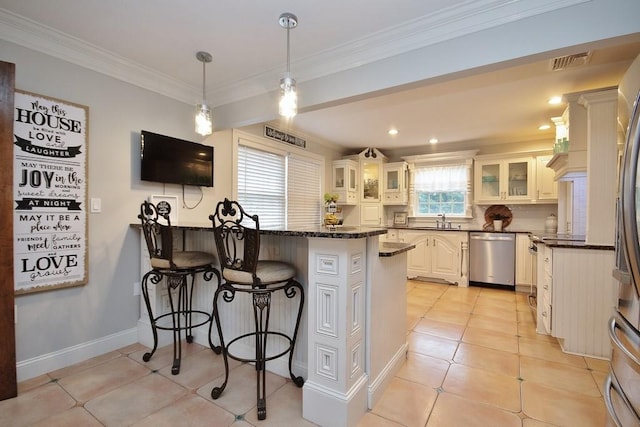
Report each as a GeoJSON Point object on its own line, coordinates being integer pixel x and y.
{"type": "Point", "coordinates": [237, 237]}
{"type": "Point", "coordinates": [157, 235]}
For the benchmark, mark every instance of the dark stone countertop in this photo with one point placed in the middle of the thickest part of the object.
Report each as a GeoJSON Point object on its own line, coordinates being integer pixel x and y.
{"type": "Point", "coordinates": [389, 249]}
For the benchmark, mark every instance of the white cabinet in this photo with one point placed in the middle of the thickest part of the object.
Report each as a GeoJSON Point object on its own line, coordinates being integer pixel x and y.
{"type": "Point", "coordinates": [345, 181]}
{"type": "Point", "coordinates": [370, 214]}
{"type": "Point", "coordinates": [546, 186]}
{"type": "Point", "coordinates": [437, 255]}
{"type": "Point", "coordinates": [396, 177]}
{"type": "Point", "coordinates": [503, 180]}
{"type": "Point", "coordinates": [371, 175]}
{"type": "Point", "coordinates": [524, 261]}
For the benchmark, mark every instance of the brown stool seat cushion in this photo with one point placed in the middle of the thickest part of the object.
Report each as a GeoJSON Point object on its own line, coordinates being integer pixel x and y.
{"type": "Point", "coordinates": [186, 259]}
{"type": "Point", "coordinates": [267, 271]}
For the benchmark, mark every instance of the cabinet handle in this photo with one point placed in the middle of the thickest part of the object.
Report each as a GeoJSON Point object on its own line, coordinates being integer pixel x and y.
{"type": "Point", "coordinates": [545, 287]}
{"type": "Point", "coordinates": [544, 314]}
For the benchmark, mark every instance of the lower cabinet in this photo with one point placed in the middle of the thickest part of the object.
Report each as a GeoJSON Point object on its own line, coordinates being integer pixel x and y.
{"type": "Point", "coordinates": [524, 261]}
{"type": "Point", "coordinates": [437, 255]}
{"type": "Point", "coordinates": [370, 214]}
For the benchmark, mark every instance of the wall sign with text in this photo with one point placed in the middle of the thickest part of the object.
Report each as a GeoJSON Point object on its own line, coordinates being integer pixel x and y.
{"type": "Point", "coordinates": [50, 193]}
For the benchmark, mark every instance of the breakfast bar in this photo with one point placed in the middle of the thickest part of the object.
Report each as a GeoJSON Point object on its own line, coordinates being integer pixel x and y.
{"type": "Point", "coordinates": [354, 285]}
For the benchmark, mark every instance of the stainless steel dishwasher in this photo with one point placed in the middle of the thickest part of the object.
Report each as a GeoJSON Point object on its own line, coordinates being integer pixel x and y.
{"type": "Point", "coordinates": [492, 259]}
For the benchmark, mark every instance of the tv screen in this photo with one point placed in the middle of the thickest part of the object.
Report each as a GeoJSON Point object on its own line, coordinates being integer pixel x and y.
{"type": "Point", "coordinates": [175, 161]}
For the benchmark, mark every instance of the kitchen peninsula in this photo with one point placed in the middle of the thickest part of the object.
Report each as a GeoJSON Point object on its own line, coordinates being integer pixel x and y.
{"type": "Point", "coordinates": [354, 285]}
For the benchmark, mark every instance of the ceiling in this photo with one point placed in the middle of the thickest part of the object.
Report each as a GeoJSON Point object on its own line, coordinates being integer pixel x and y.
{"type": "Point", "coordinates": [152, 43]}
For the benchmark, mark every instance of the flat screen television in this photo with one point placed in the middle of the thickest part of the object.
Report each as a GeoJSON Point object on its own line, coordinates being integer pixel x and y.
{"type": "Point", "coordinates": [175, 161]}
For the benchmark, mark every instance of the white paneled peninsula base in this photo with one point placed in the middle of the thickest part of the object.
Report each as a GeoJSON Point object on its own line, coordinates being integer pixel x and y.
{"type": "Point", "coordinates": [352, 339]}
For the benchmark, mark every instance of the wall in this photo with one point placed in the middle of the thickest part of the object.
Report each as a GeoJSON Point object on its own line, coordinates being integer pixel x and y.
{"type": "Point", "coordinates": [103, 313]}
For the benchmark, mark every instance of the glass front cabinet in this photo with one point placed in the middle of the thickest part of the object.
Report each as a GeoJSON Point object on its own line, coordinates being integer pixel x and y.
{"type": "Point", "coordinates": [396, 177]}
{"type": "Point", "coordinates": [503, 180]}
{"type": "Point", "coordinates": [371, 172]}
{"type": "Point", "coordinates": [345, 181]}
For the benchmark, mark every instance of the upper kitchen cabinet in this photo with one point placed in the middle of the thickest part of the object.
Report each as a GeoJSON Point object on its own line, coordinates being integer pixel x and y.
{"type": "Point", "coordinates": [370, 165]}
{"type": "Point", "coordinates": [396, 177]}
{"type": "Point", "coordinates": [501, 179]}
{"type": "Point", "coordinates": [345, 181]}
{"type": "Point", "coordinates": [546, 185]}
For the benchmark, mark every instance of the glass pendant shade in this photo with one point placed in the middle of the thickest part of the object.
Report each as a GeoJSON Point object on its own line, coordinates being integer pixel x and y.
{"type": "Point", "coordinates": [204, 123]}
{"type": "Point", "coordinates": [288, 106]}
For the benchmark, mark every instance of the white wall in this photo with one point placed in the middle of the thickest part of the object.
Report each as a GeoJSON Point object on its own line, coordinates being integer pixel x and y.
{"type": "Point", "coordinates": [53, 321]}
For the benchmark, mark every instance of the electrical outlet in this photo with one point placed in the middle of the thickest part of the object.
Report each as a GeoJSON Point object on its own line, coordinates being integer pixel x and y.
{"type": "Point", "coordinates": [136, 288]}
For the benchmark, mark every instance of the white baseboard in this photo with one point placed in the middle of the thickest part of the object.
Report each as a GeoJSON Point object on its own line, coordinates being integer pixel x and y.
{"type": "Point", "coordinates": [379, 384]}
{"type": "Point", "coordinates": [31, 368]}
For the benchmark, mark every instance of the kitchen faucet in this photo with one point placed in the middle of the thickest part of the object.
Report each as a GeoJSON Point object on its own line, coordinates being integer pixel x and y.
{"type": "Point", "coordinates": [443, 222]}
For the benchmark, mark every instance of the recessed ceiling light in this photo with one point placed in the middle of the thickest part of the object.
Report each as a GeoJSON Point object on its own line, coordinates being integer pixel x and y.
{"type": "Point", "coordinates": [555, 100]}
{"type": "Point", "coordinates": [393, 131]}
{"type": "Point", "coordinates": [544, 127]}
{"type": "Point", "coordinates": [433, 141]}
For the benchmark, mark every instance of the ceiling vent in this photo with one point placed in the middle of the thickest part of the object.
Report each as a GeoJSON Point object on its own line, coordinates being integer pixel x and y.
{"type": "Point", "coordinates": [569, 61]}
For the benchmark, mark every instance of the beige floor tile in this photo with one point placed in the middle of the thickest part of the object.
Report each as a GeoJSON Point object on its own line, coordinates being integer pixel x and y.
{"type": "Point", "coordinates": [447, 305]}
{"type": "Point", "coordinates": [530, 422]}
{"type": "Point", "coordinates": [35, 405]}
{"type": "Point", "coordinates": [32, 383]}
{"type": "Point", "coordinates": [448, 330]}
{"type": "Point", "coordinates": [504, 314]}
{"type": "Point", "coordinates": [449, 316]}
{"type": "Point", "coordinates": [284, 408]}
{"type": "Point", "coordinates": [561, 407]}
{"type": "Point", "coordinates": [372, 420]}
{"type": "Point", "coordinates": [430, 345]}
{"type": "Point", "coordinates": [163, 356]}
{"type": "Point", "coordinates": [131, 348]}
{"type": "Point", "coordinates": [558, 375]}
{"type": "Point", "coordinates": [412, 321]}
{"type": "Point", "coordinates": [190, 410]}
{"type": "Point", "coordinates": [548, 351]}
{"type": "Point", "coordinates": [526, 316]}
{"type": "Point", "coordinates": [239, 396]}
{"type": "Point", "coordinates": [483, 386]}
{"type": "Point", "coordinates": [450, 410]}
{"type": "Point", "coordinates": [89, 383]}
{"type": "Point", "coordinates": [89, 363]}
{"type": "Point", "coordinates": [198, 369]}
{"type": "Point", "coordinates": [406, 403]}
{"type": "Point", "coordinates": [72, 417]}
{"type": "Point", "coordinates": [423, 369]}
{"type": "Point", "coordinates": [134, 401]}
{"type": "Point", "coordinates": [424, 300]}
{"type": "Point", "coordinates": [493, 324]}
{"type": "Point", "coordinates": [597, 364]}
{"type": "Point", "coordinates": [491, 339]}
{"type": "Point", "coordinates": [497, 294]}
{"type": "Point", "coordinates": [500, 362]}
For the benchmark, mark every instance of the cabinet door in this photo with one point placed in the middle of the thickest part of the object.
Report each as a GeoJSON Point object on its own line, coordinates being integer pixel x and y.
{"type": "Point", "coordinates": [524, 260]}
{"type": "Point", "coordinates": [371, 174]}
{"type": "Point", "coordinates": [546, 186]}
{"type": "Point", "coordinates": [518, 179]}
{"type": "Point", "coordinates": [419, 258]}
{"type": "Point", "coordinates": [488, 180]}
{"type": "Point", "coordinates": [392, 180]}
{"type": "Point", "coordinates": [445, 256]}
{"type": "Point", "coordinates": [370, 214]}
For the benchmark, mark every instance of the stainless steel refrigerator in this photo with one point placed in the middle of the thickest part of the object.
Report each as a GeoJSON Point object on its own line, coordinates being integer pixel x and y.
{"type": "Point", "coordinates": [622, 388]}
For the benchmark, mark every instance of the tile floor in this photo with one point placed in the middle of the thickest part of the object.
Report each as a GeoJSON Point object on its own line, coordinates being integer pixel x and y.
{"type": "Point", "coordinates": [474, 360]}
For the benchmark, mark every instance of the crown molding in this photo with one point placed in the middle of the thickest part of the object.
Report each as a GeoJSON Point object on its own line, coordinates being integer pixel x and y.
{"type": "Point", "coordinates": [470, 17]}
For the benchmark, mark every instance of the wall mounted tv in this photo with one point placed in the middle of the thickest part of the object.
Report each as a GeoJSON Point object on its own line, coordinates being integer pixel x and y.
{"type": "Point", "coordinates": [175, 161]}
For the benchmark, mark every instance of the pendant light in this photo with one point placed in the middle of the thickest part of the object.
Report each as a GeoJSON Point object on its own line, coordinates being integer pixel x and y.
{"type": "Point", "coordinates": [288, 106]}
{"type": "Point", "coordinates": [204, 125]}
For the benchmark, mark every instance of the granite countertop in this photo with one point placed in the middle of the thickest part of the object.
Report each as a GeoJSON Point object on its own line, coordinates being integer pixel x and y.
{"type": "Point", "coordinates": [388, 249]}
{"type": "Point", "coordinates": [571, 241]}
{"type": "Point", "coordinates": [337, 233]}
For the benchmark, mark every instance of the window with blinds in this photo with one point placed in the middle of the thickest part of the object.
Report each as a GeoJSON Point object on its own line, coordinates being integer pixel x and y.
{"type": "Point", "coordinates": [284, 190]}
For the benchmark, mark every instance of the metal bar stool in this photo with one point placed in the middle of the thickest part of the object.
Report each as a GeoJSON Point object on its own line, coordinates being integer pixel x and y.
{"type": "Point", "coordinates": [237, 237]}
{"type": "Point", "coordinates": [177, 267]}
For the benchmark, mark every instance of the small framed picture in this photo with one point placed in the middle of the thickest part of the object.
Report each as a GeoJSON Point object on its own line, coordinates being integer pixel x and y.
{"type": "Point", "coordinates": [400, 218]}
{"type": "Point", "coordinates": [163, 201]}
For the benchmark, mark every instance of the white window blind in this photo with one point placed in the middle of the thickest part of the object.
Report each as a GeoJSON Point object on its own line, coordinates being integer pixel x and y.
{"type": "Point", "coordinates": [284, 191]}
{"type": "Point", "coordinates": [261, 185]}
{"type": "Point", "coordinates": [441, 178]}
{"type": "Point", "coordinates": [303, 192]}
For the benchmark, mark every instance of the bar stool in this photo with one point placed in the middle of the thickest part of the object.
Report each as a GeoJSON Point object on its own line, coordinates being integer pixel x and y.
{"type": "Point", "coordinates": [237, 237]}
{"type": "Point", "coordinates": [177, 267]}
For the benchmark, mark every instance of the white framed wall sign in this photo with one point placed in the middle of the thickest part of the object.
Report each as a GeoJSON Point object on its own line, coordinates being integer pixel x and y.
{"type": "Point", "coordinates": [50, 193]}
{"type": "Point", "coordinates": [173, 206]}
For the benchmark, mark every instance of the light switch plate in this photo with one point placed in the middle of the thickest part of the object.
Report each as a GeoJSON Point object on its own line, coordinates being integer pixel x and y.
{"type": "Point", "coordinates": [96, 205]}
